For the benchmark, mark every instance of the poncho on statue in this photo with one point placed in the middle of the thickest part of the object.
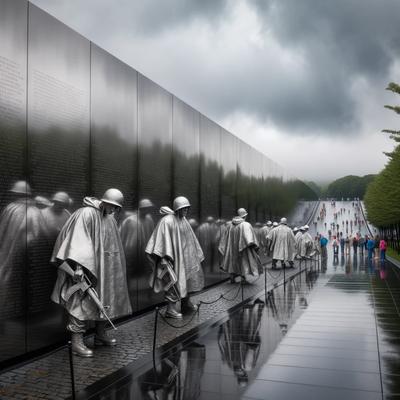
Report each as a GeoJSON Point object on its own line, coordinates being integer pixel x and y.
{"type": "Point", "coordinates": [283, 243]}
{"type": "Point", "coordinates": [238, 247]}
{"type": "Point", "coordinates": [173, 239]}
{"type": "Point", "coordinates": [91, 239]}
{"type": "Point", "coordinates": [305, 245]}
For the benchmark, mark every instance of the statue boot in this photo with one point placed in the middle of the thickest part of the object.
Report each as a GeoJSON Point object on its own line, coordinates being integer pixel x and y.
{"type": "Point", "coordinates": [173, 310]}
{"type": "Point", "coordinates": [103, 337]}
{"type": "Point", "coordinates": [188, 306]}
{"type": "Point", "coordinates": [78, 346]}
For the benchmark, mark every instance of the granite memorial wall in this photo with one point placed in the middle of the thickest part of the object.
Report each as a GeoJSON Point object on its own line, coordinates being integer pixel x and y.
{"type": "Point", "coordinates": [74, 121]}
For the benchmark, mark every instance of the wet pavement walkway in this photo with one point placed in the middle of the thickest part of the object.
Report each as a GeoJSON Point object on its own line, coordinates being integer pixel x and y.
{"type": "Point", "coordinates": [331, 332]}
{"type": "Point", "coordinates": [49, 377]}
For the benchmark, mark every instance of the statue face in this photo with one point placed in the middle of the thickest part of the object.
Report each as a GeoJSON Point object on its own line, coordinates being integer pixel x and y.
{"type": "Point", "coordinates": [109, 208]}
{"type": "Point", "coordinates": [183, 212]}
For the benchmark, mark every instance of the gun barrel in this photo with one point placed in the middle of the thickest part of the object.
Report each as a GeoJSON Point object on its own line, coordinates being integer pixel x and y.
{"type": "Point", "coordinates": [92, 293]}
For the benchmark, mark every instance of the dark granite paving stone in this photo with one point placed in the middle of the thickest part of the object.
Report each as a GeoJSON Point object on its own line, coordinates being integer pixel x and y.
{"type": "Point", "coordinates": [337, 329]}
{"type": "Point", "coordinates": [332, 343]}
{"type": "Point", "coordinates": [327, 352]}
{"type": "Point", "coordinates": [347, 324]}
{"type": "Point", "coordinates": [365, 312]}
{"type": "Point", "coordinates": [327, 337]}
{"type": "Point", "coordinates": [322, 316]}
{"type": "Point", "coordinates": [310, 376]}
{"type": "Point", "coordinates": [330, 363]}
{"type": "Point", "coordinates": [263, 390]}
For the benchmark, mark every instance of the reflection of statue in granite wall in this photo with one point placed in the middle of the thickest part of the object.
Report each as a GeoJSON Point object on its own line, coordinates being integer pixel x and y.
{"type": "Point", "coordinates": [22, 227]}
{"type": "Point", "coordinates": [56, 214]}
{"type": "Point", "coordinates": [177, 377]}
{"type": "Point", "coordinates": [42, 273]}
{"type": "Point", "coordinates": [239, 340]}
{"type": "Point", "coordinates": [136, 230]}
{"type": "Point", "coordinates": [207, 234]}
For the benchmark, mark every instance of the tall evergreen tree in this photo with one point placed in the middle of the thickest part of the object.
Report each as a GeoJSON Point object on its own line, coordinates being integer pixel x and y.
{"type": "Point", "coordinates": [382, 198]}
{"type": "Point", "coordinates": [395, 135]}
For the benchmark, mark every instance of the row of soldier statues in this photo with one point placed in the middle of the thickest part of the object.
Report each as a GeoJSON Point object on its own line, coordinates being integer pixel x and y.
{"type": "Point", "coordinates": [90, 250]}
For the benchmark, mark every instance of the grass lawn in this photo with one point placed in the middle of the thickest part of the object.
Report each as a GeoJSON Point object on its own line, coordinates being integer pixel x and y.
{"type": "Point", "coordinates": [393, 253]}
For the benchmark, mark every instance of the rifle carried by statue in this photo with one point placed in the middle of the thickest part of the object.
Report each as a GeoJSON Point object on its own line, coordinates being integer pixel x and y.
{"type": "Point", "coordinates": [86, 287]}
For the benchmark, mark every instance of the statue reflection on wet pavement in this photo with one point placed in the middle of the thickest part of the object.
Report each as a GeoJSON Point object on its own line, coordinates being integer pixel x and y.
{"type": "Point", "coordinates": [239, 341]}
{"type": "Point", "coordinates": [177, 377]}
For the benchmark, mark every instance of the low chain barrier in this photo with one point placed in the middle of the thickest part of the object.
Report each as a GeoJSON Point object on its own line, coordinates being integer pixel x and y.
{"type": "Point", "coordinates": [183, 325]}
{"type": "Point", "coordinates": [220, 297]}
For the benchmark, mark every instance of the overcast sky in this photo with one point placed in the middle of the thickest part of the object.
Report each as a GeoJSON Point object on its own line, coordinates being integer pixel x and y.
{"type": "Point", "coordinates": [301, 80]}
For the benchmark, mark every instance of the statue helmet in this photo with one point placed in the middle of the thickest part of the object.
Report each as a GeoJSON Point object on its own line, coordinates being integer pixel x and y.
{"type": "Point", "coordinates": [42, 202]}
{"type": "Point", "coordinates": [306, 227]}
{"type": "Point", "coordinates": [295, 229]}
{"type": "Point", "coordinates": [284, 221]}
{"type": "Point", "coordinates": [193, 223]}
{"type": "Point", "coordinates": [275, 224]}
{"type": "Point", "coordinates": [269, 223]}
{"type": "Point", "coordinates": [145, 203]}
{"type": "Point", "coordinates": [180, 202]}
{"type": "Point", "coordinates": [61, 197]}
{"type": "Point", "coordinates": [114, 197]}
{"type": "Point", "coordinates": [21, 187]}
{"type": "Point", "coordinates": [242, 212]}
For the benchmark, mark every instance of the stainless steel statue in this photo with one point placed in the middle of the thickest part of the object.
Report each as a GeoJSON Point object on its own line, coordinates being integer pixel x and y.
{"type": "Point", "coordinates": [239, 248]}
{"type": "Point", "coordinates": [89, 244]}
{"type": "Point", "coordinates": [176, 256]}
{"type": "Point", "coordinates": [283, 244]}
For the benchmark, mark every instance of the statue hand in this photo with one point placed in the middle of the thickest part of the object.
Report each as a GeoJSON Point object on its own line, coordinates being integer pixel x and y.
{"type": "Point", "coordinates": [78, 274]}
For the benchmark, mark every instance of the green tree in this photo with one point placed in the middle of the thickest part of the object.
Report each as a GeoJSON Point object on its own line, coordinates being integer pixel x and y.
{"type": "Point", "coordinates": [395, 135]}
{"type": "Point", "coordinates": [349, 186]}
{"type": "Point", "coordinates": [382, 198]}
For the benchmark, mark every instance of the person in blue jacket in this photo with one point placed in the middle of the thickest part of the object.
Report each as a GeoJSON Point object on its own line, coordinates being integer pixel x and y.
{"type": "Point", "coordinates": [323, 243]}
{"type": "Point", "coordinates": [370, 247]}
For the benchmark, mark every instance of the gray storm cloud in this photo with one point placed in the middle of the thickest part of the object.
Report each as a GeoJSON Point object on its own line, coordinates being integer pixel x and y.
{"type": "Point", "coordinates": [299, 76]}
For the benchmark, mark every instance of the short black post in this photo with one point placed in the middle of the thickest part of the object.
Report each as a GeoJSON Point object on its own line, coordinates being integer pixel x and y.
{"type": "Point", "coordinates": [155, 338]}
{"type": "Point", "coordinates": [71, 369]}
{"type": "Point", "coordinates": [284, 277]}
{"type": "Point", "coordinates": [265, 282]}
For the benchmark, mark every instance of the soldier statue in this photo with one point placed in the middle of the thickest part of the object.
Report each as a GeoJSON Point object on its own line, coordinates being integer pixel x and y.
{"type": "Point", "coordinates": [90, 258]}
{"type": "Point", "coordinates": [239, 248]}
{"type": "Point", "coordinates": [283, 244]}
{"type": "Point", "coordinates": [176, 256]}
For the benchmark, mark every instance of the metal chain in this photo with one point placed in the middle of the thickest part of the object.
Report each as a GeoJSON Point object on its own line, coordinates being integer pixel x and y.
{"type": "Point", "coordinates": [236, 295]}
{"type": "Point", "coordinates": [272, 275]}
{"type": "Point", "coordinates": [185, 324]}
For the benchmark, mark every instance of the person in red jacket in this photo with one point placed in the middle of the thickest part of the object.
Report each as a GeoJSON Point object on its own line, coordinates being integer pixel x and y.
{"type": "Point", "coordinates": [382, 249]}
